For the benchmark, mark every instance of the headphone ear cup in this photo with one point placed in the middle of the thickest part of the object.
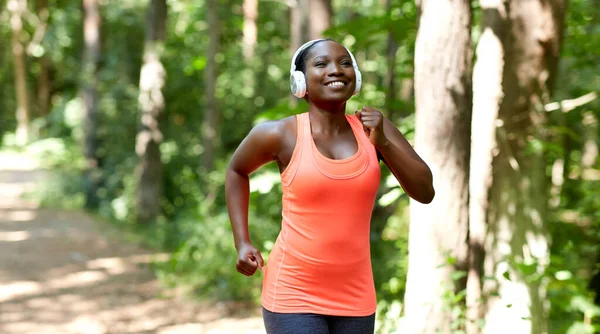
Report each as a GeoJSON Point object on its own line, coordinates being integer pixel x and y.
{"type": "Point", "coordinates": [298, 84]}
{"type": "Point", "coordinates": [358, 81]}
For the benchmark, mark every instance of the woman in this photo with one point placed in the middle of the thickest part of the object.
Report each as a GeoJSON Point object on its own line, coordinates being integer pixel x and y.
{"type": "Point", "coordinates": [319, 277]}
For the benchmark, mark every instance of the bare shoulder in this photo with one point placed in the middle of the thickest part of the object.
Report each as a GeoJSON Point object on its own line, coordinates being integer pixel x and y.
{"type": "Point", "coordinates": [274, 130]}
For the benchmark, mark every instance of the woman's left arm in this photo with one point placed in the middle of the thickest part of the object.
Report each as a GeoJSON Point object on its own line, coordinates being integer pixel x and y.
{"type": "Point", "coordinates": [410, 170]}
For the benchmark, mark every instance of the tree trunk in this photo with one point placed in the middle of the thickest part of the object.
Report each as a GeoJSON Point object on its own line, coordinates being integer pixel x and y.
{"type": "Point", "coordinates": [298, 32]}
{"type": "Point", "coordinates": [517, 58]}
{"type": "Point", "coordinates": [152, 105]}
{"type": "Point", "coordinates": [17, 9]}
{"type": "Point", "coordinates": [44, 83]}
{"type": "Point", "coordinates": [212, 117]}
{"type": "Point", "coordinates": [589, 154]}
{"type": "Point", "coordinates": [298, 24]}
{"type": "Point", "coordinates": [321, 13]}
{"type": "Point", "coordinates": [89, 92]}
{"type": "Point", "coordinates": [250, 33]}
{"type": "Point", "coordinates": [487, 81]}
{"type": "Point", "coordinates": [438, 231]}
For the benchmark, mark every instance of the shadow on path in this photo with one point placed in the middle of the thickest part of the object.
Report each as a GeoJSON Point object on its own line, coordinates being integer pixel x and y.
{"type": "Point", "coordinates": [60, 272]}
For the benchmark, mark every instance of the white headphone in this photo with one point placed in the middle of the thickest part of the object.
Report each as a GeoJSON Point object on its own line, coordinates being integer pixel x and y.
{"type": "Point", "coordinates": [298, 81]}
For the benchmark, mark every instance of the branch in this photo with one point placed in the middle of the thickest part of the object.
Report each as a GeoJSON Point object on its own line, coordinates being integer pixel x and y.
{"type": "Point", "coordinates": [40, 32]}
{"type": "Point", "coordinates": [568, 105]}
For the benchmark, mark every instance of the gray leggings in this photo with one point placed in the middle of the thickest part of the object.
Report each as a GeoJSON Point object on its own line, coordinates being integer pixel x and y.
{"type": "Point", "coordinates": [308, 323]}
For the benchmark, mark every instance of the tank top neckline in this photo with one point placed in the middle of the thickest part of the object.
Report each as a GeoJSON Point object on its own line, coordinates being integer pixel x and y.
{"type": "Point", "coordinates": [319, 155]}
{"type": "Point", "coordinates": [336, 168]}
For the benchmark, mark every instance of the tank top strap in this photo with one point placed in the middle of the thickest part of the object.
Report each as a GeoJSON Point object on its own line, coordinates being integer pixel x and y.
{"type": "Point", "coordinates": [361, 136]}
{"type": "Point", "coordinates": [357, 127]}
{"type": "Point", "coordinates": [288, 174]}
{"type": "Point", "coordinates": [306, 131]}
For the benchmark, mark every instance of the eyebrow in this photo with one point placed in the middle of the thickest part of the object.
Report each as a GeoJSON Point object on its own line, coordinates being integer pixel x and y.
{"type": "Point", "coordinates": [327, 57]}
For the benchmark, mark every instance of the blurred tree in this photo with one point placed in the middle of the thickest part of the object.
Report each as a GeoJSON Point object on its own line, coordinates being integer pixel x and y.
{"type": "Point", "coordinates": [17, 9]}
{"type": "Point", "coordinates": [89, 93]}
{"type": "Point", "coordinates": [438, 231]}
{"type": "Point", "coordinates": [212, 118]}
{"type": "Point", "coordinates": [44, 85]}
{"type": "Point", "coordinates": [299, 22]}
{"type": "Point", "coordinates": [390, 77]}
{"type": "Point", "coordinates": [516, 66]}
{"type": "Point", "coordinates": [320, 17]}
{"type": "Point", "coordinates": [152, 104]}
{"type": "Point", "coordinates": [250, 8]}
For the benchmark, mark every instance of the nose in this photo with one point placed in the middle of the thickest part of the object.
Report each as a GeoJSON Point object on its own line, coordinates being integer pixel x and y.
{"type": "Point", "coordinates": [335, 69]}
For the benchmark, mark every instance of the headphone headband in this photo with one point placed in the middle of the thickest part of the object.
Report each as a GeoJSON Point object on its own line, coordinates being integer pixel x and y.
{"type": "Point", "coordinates": [310, 43]}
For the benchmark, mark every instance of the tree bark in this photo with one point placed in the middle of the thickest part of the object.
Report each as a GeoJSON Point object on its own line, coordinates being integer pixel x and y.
{"type": "Point", "coordinates": [250, 8]}
{"type": "Point", "coordinates": [212, 117]}
{"type": "Point", "coordinates": [438, 231]}
{"type": "Point", "coordinates": [487, 96]}
{"type": "Point", "coordinates": [517, 60]}
{"type": "Point", "coordinates": [16, 9]}
{"type": "Point", "coordinates": [320, 16]}
{"type": "Point", "coordinates": [152, 105]}
{"type": "Point", "coordinates": [89, 92]}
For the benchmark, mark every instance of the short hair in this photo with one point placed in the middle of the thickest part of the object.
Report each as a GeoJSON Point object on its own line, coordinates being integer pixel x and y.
{"type": "Point", "coordinates": [300, 62]}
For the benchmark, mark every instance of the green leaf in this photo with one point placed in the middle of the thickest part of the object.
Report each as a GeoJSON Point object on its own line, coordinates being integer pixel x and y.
{"type": "Point", "coordinates": [456, 275]}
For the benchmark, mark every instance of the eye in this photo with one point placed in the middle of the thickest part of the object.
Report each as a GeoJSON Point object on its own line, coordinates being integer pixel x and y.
{"type": "Point", "coordinates": [347, 63]}
{"type": "Point", "coordinates": [320, 64]}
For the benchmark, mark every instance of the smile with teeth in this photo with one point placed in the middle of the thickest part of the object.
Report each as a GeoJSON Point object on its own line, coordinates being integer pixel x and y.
{"type": "Point", "coordinates": [335, 84]}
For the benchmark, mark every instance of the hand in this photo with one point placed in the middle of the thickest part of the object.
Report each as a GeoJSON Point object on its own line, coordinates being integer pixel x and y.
{"type": "Point", "coordinates": [249, 259]}
{"type": "Point", "coordinates": [372, 121]}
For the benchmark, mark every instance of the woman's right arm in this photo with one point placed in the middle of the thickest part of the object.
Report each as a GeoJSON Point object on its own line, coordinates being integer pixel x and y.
{"type": "Point", "coordinates": [261, 146]}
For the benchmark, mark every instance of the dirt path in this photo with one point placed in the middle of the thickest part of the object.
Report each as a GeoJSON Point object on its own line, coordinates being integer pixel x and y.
{"type": "Point", "coordinates": [61, 272]}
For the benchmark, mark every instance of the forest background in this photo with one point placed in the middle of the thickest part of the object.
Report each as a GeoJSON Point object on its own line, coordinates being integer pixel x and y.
{"type": "Point", "coordinates": [138, 105]}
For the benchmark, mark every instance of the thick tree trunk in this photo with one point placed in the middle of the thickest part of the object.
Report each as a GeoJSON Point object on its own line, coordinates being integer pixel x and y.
{"type": "Point", "coordinates": [321, 13]}
{"type": "Point", "coordinates": [16, 9]}
{"type": "Point", "coordinates": [250, 32]}
{"type": "Point", "coordinates": [152, 105]}
{"type": "Point", "coordinates": [487, 82]}
{"type": "Point", "coordinates": [517, 59]}
{"type": "Point", "coordinates": [438, 231]}
{"type": "Point", "coordinates": [212, 117]}
{"type": "Point", "coordinates": [89, 92]}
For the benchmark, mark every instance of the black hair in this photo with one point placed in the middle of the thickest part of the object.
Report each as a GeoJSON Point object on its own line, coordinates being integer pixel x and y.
{"type": "Point", "coordinates": [303, 55]}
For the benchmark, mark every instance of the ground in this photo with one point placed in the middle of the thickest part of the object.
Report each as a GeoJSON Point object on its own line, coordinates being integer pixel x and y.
{"type": "Point", "coordinates": [66, 272]}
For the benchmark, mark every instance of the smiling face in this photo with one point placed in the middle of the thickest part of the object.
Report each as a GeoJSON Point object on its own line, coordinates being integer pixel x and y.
{"type": "Point", "coordinates": [330, 76]}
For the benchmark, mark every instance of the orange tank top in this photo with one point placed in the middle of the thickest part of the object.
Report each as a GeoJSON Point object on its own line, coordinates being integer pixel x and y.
{"type": "Point", "coordinates": [321, 261]}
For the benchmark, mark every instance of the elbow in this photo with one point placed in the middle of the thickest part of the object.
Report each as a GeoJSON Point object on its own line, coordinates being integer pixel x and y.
{"type": "Point", "coordinates": [427, 196]}
{"type": "Point", "coordinates": [428, 192]}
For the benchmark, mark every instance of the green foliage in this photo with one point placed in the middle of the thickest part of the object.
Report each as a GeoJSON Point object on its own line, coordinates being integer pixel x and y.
{"type": "Point", "coordinates": [194, 226]}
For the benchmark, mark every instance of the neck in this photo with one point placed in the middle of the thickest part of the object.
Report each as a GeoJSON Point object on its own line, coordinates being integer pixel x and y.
{"type": "Point", "coordinates": [328, 119]}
